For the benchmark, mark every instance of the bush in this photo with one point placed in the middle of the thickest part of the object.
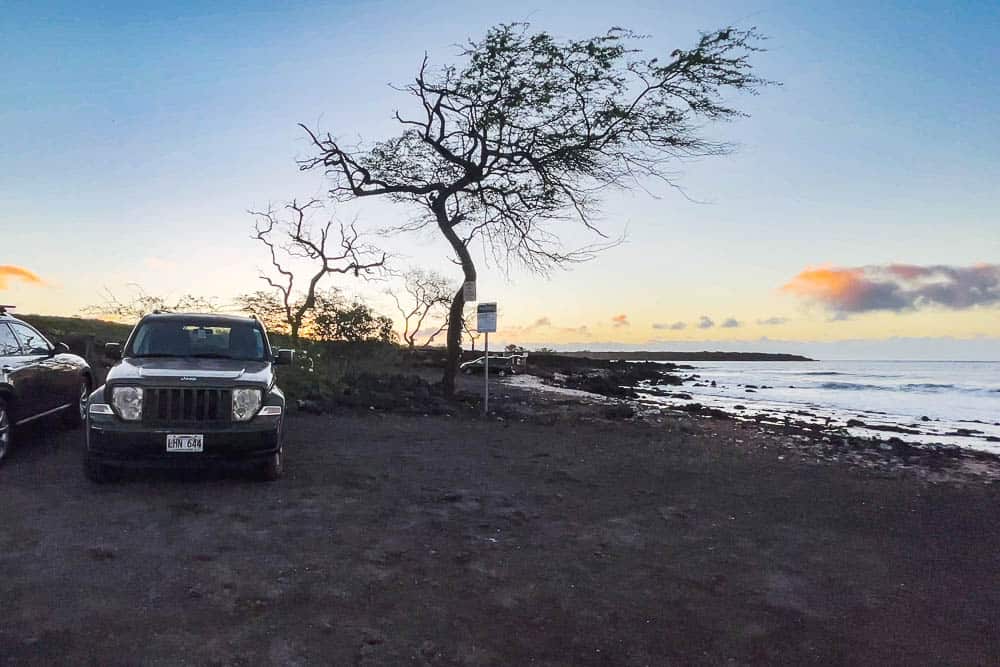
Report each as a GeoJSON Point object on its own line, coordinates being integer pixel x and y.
{"type": "Point", "coordinates": [321, 369]}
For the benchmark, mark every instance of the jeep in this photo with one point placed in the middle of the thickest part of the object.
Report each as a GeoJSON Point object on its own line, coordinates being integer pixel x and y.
{"type": "Point", "coordinates": [188, 390]}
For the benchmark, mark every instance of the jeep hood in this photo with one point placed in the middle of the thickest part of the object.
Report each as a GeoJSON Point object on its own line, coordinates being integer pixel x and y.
{"type": "Point", "coordinates": [206, 372]}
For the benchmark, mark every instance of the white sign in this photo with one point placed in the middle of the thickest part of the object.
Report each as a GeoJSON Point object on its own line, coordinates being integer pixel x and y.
{"type": "Point", "coordinates": [469, 291]}
{"type": "Point", "coordinates": [486, 317]}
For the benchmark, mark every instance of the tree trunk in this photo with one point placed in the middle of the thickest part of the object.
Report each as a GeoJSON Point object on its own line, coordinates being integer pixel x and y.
{"type": "Point", "coordinates": [454, 350]}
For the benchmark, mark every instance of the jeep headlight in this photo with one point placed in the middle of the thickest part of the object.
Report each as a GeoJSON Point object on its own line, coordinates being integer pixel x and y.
{"type": "Point", "coordinates": [127, 402]}
{"type": "Point", "coordinates": [246, 402]}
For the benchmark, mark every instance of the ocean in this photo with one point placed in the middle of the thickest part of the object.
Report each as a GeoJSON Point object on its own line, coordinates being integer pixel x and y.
{"type": "Point", "coordinates": [918, 401]}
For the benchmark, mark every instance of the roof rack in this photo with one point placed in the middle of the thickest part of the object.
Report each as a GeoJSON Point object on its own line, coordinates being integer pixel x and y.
{"type": "Point", "coordinates": [3, 308]}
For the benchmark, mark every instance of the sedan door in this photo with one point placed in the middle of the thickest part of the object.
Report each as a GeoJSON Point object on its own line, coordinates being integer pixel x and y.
{"type": "Point", "coordinates": [41, 379]}
{"type": "Point", "coordinates": [16, 369]}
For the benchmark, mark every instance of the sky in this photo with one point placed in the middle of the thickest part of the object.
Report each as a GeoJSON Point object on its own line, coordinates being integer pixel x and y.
{"type": "Point", "coordinates": [859, 217]}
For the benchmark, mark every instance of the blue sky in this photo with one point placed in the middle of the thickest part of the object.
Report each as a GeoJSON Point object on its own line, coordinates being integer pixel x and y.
{"type": "Point", "coordinates": [135, 138]}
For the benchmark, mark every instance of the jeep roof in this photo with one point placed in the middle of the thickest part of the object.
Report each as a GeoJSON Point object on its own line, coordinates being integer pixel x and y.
{"type": "Point", "coordinates": [200, 318]}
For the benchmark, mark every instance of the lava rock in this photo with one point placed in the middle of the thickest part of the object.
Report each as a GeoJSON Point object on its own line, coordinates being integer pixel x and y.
{"type": "Point", "coordinates": [619, 411]}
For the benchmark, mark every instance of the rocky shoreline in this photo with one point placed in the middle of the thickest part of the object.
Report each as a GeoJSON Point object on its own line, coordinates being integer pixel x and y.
{"type": "Point", "coordinates": [653, 394]}
{"type": "Point", "coordinates": [632, 384]}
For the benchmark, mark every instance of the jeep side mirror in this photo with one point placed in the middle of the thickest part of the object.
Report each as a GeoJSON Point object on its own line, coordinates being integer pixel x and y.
{"type": "Point", "coordinates": [61, 348]}
{"type": "Point", "coordinates": [284, 357]}
{"type": "Point", "coordinates": [113, 350]}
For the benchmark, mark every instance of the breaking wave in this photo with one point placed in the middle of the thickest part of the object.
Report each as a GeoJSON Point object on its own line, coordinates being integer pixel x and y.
{"type": "Point", "coordinates": [850, 386]}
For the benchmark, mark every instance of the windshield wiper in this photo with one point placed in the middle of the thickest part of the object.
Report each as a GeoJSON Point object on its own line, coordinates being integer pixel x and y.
{"type": "Point", "coordinates": [155, 354]}
{"type": "Point", "coordinates": [211, 355]}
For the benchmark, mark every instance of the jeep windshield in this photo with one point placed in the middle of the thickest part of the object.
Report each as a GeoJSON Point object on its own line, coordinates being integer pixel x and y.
{"type": "Point", "coordinates": [176, 337]}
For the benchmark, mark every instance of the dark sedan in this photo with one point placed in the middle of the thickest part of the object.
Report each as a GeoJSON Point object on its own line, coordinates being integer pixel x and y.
{"type": "Point", "coordinates": [501, 366]}
{"type": "Point", "coordinates": [37, 379]}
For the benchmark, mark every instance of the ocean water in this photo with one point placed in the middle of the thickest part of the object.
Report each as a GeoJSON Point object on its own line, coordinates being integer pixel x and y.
{"type": "Point", "coordinates": [953, 396]}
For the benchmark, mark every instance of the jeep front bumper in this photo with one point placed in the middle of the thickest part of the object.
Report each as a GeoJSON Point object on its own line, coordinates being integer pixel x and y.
{"type": "Point", "coordinates": [113, 441]}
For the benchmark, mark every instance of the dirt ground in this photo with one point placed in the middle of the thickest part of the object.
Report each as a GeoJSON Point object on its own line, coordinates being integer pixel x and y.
{"type": "Point", "coordinates": [459, 541]}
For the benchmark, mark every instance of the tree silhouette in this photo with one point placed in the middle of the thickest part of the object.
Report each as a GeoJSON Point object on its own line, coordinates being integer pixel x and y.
{"type": "Point", "coordinates": [343, 254]}
{"type": "Point", "coordinates": [423, 294]}
{"type": "Point", "coordinates": [529, 131]}
{"type": "Point", "coordinates": [138, 303]}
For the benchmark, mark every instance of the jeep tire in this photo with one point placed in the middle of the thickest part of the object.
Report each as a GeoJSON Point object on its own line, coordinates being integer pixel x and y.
{"type": "Point", "coordinates": [272, 468]}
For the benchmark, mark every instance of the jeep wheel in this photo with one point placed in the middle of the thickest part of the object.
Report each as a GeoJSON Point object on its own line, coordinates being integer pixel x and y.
{"type": "Point", "coordinates": [76, 414]}
{"type": "Point", "coordinates": [271, 470]}
{"type": "Point", "coordinates": [5, 429]}
{"type": "Point", "coordinates": [97, 472]}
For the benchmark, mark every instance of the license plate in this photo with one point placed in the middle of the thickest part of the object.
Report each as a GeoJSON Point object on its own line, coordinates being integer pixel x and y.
{"type": "Point", "coordinates": [185, 443]}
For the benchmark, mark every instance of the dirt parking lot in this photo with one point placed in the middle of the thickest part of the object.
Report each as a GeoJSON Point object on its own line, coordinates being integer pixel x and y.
{"type": "Point", "coordinates": [450, 540]}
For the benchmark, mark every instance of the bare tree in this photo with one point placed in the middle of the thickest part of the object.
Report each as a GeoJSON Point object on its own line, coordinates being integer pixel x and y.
{"type": "Point", "coordinates": [530, 130]}
{"type": "Point", "coordinates": [330, 250]}
{"type": "Point", "coordinates": [424, 294]}
{"type": "Point", "coordinates": [139, 303]}
{"type": "Point", "coordinates": [471, 333]}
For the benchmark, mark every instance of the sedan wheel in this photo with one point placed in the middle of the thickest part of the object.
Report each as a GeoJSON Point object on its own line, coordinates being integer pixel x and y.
{"type": "Point", "coordinates": [77, 414]}
{"type": "Point", "coordinates": [84, 396]}
{"type": "Point", "coordinates": [4, 430]}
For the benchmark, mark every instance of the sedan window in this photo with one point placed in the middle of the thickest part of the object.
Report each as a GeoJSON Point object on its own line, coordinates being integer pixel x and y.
{"type": "Point", "coordinates": [31, 341]}
{"type": "Point", "coordinates": [8, 343]}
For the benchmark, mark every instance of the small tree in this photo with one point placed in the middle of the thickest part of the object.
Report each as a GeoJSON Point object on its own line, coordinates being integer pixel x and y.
{"type": "Point", "coordinates": [424, 294]}
{"type": "Point", "coordinates": [331, 318]}
{"type": "Point", "coordinates": [139, 303]}
{"type": "Point", "coordinates": [529, 130]}
{"type": "Point", "coordinates": [354, 323]}
{"type": "Point", "coordinates": [269, 308]}
{"type": "Point", "coordinates": [343, 255]}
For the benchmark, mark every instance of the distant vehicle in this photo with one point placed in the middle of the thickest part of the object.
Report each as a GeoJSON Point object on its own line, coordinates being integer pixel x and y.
{"type": "Point", "coordinates": [37, 379]}
{"type": "Point", "coordinates": [501, 366]}
{"type": "Point", "coordinates": [189, 390]}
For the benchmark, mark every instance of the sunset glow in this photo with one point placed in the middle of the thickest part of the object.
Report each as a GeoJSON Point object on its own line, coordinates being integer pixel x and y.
{"type": "Point", "coordinates": [829, 223]}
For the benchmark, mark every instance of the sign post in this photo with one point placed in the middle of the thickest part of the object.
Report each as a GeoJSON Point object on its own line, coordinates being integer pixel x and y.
{"type": "Point", "coordinates": [486, 321]}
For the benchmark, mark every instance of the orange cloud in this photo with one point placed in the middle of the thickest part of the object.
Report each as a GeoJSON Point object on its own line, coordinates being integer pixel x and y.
{"type": "Point", "coordinates": [620, 320]}
{"type": "Point", "coordinates": [9, 272]}
{"type": "Point", "coordinates": [825, 283]}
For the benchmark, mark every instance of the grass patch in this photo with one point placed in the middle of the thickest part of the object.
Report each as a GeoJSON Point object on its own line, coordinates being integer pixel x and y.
{"type": "Point", "coordinates": [58, 328]}
{"type": "Point", "coordinates": [324, 370]}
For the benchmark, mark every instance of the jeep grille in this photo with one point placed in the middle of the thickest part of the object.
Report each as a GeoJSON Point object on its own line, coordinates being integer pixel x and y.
{"type": "Point", "coordinates": [181, 404]}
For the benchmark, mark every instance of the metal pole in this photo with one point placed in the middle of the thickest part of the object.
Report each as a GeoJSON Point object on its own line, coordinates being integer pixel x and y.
{"type": "Point", "coordinates": [486, 374]}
